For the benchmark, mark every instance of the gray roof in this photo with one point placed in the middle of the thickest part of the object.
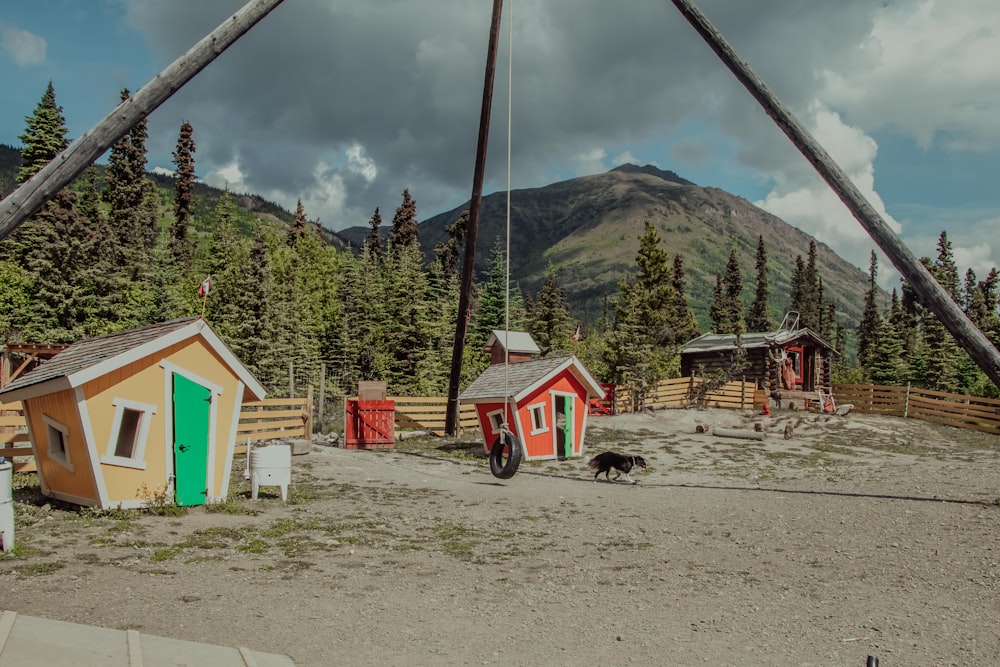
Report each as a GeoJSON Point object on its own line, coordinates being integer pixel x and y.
{"type": "Point", "coordinates": [516, 341]}
{"type": "Point", "coordinates": [94, 355]}
{"type": "Point", "coordinates": [517, 377]}
{"type": "Point", "coordinates": [712, 342]}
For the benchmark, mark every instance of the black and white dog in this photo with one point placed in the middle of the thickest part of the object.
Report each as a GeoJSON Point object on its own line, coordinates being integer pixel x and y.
{"type": "Point", "coordinates": [607, 461]}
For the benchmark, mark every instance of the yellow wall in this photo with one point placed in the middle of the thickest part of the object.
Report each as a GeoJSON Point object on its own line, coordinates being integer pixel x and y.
{"type": "Point", "coordinates": [61, 407]}
{"type": "Point", "coordinates": [144, 381]}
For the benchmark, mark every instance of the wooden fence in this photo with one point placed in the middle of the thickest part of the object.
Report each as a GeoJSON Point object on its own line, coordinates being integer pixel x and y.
{"type": "Point", "coordinates": [14, 441]}
{"type": "Point", "coordinates": [680, 392]}
{"type": "Point", "coordinates": [939, 407]}
{"type": "Point", "coordinates": [275, 419]}
{"type": "Point", "coordinates": [429, 413]}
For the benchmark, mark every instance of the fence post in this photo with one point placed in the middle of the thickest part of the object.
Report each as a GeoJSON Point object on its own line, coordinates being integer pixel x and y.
{"type": "Point", "coordinates": [322, 394]}
{"type": "Point", "coordinates": [291, 379]}
{"type": "Point", "coordinates": [308, 410]}
{"type": "Point", "coordinates": [906, 401]}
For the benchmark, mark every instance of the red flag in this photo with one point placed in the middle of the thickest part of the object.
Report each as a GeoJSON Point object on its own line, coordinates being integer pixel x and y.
{"type": "Point", "coordinates": [205, 286]}
{"type": "Point", "coordinates": [576, 336]}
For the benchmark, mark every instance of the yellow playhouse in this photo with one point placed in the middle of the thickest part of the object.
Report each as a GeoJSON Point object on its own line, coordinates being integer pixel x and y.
{"type": "Point", "coordinates": [138, 416]}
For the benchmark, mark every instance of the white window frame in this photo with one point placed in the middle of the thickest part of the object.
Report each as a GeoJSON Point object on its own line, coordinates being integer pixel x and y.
{"type": "Point", "coordinates": [496, 421]}
{"type": "Point", "coordinates": [59, 456]}
{"type": "Point", "coordinates": [138, 458]}
{"type": "Point", "coordinates": [539, 424]}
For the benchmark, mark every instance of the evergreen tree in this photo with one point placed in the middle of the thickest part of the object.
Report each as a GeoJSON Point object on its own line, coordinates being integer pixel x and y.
{"type": "Point", "coordinates": [868, 328]}
{"type": "Point", "coordinates": [126, 191]}
{"type": "Point", "coordinates": [550, 323]}
{"type": "Point", "coordinates": [888, 365]}
{"type": "Point", "coordinates": [640, 348]}
{"type": "Point", "coordinates": [759, 317]}
{"type": "Point", "coordinates": [374, 237]}
{"type": "Point", "coordinates": [404, 224]}
{"type": "Point", "coordinates": [180, 245]}
{"type": "Point", "coordinates": [492, 303]}
{"type": "Point", "coordinates": [299, 224]}
{"type": "Point", "coordinates": [447, 252]}
{"type": "Point", "coordinates": [43, 139]}
{"type": "Point", "coordinates": [810, 311]}
{"type": "Point", "coordinates": [686, 324]}
{"type": "Point", "coordinates": [799, 291]}
{"type": "Point", "coordinates": [45, 136]}
{"type": "Point", "coordinates": [727, 309]}
{"type": "Point", "coordinates": [944, 270]}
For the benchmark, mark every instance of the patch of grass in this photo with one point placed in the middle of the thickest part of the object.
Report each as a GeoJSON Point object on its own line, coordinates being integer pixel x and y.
{"type": "Point", "coordinates": [230, 506]}
{"type": "Point", "coordinates": [40, 569]}
{"type": "Point", "coordinates": [20, 550]}
{"type": "Point", "coordinates": [161, 555]}
{"type": "Point", "coordinates": [254, 546]}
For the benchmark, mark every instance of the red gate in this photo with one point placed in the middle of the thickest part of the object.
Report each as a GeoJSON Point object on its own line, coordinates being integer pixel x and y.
{"type": "Point", "coordinates": [606, 404]}
{"type": "Point", "coordinates": [369, 424]}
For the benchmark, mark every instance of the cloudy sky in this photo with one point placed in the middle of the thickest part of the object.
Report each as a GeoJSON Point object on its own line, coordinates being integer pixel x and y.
{"type": "Point", "coordinates": [344, 103]}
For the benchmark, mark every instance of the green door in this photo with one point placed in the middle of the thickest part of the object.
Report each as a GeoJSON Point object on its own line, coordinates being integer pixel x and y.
{"type": "Point", "coordinates": [191, 413]}
{"type": "Point", "coordinates": [568, 424]}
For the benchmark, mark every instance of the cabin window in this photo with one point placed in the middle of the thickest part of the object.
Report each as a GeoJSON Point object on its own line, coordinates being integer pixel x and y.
{"type": "Point", "coordinates": [129, 433]}
{"type": "Point", "coordinates": [57, 436]}
{"type": "Point", "coordinates": [496, 421]}
{"type": "Point", "coordinates": [537, 412]}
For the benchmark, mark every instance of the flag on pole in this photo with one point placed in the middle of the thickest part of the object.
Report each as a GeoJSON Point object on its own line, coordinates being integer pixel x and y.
{"type": "Point", "coordinates": [576, 336]}
{"type": "Point", "coordinates": [205, 286]}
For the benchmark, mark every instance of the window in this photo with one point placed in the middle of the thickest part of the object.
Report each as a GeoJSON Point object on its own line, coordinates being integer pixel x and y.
{"type": "Point", "coordinates": [57, 436]}
{"type": "Point", "coordinates": [537, 412]}
{"type": "Point", "coordinates": [129, 433]}
{"type": "Point", "coordinates": [496, 421]}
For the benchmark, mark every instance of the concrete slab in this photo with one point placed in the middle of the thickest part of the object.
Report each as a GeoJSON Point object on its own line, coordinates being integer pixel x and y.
{"type": "Point", "coordinates": [28, 640]}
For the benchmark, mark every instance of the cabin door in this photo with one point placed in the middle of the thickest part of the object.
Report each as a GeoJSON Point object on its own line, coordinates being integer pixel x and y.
{"type": "Point", "coordinates": [192, 403]}
{"type": "Point", "coordinates": [563, 407]}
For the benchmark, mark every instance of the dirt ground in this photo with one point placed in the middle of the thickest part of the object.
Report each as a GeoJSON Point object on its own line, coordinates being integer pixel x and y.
{"type": "Point", "coordinates": [858, 536]}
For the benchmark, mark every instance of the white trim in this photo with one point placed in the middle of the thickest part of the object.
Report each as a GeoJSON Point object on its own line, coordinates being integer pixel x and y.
{"type": "Point", "coordinates": [90, 442]}
{"type": "Point", "coordinates": [571, 397]}
{"type": "Point", "coordinates": [235, 364]}
{"type": "Point", "coordinates": [494, 428]}
{"type": "Point", "coordinates": [231, 445]}
{"type": "Point", "coordinates": [168, 436]}
{"type": "Point", "coordinates": [171, 367]}
{"type": "Point", "coordinates": [536, 412]}
{"type": "Point", "coordinates": [138, 458]}
{"type": "Point", "coordinates": [60, 457]}
{"type": "Point", "coordinates": [76, 500]}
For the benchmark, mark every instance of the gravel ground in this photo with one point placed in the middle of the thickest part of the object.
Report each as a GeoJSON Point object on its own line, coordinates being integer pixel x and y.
{"type": "Point", "coordinates": [857, 536]}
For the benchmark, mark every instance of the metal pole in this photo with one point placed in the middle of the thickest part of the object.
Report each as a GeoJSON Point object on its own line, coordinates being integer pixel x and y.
{"type": "Point", "coordinates": [67, 165]}
{"type": "Point", "coordinates": [926, 287]}
{"type": "Point", "coordinates": [469, 261]}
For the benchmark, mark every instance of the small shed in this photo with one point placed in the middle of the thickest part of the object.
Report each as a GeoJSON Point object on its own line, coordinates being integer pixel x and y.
{"type": "Point", "coordinates": [543, 401]}
{"type": "Point", "coordinates": [511, 346]}
{"type": "Point", "coordinates": [787, 359]}
{"type": "Point", "coordinates": [136, 417]}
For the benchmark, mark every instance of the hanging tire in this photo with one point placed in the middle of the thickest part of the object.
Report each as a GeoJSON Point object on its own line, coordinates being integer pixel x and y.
{"type": "Point", "coordinates": [505, 468]}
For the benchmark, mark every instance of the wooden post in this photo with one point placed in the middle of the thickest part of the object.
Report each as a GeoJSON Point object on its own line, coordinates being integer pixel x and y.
{"type": "Point", "coordinates": [291, 379]}
{"type": "Point", "coordinates": [931, 294]}
{"type": "Point", "coordinates": [469, 260]}
{"type": "Point", "coordinates": [67, 165]}
{"type": "Point", "coordinates": [307, 410]}
{"type": "Point", "coordinates": [322, 394]}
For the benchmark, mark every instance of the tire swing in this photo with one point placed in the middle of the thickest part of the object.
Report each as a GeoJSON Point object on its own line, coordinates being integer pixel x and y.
{"type": "Point", "coordinates": [507, 443]}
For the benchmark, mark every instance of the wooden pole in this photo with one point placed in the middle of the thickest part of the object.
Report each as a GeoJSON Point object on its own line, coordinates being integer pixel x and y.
{"type": "Point", "coordinates": [67, 165]}
{"type": "Point", "coordinates": [469, 261]}
{"type": "Point", "coordinates": [931, 294]}
{"type": "Point", "coordinates": [322, 394]}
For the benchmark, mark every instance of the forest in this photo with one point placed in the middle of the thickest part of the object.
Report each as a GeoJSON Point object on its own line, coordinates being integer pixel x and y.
{"type": "Point", "coordinates": [113, 251]}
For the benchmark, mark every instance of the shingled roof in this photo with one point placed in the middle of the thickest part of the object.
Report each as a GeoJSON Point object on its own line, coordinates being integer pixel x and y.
{"type": "Point", "coordinates": [522, 376]}
{"type": "Point", "coordinates": [89, 358]}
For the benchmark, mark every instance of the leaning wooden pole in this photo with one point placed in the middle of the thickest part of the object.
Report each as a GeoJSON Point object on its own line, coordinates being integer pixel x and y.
{"type": "Point", "coordinates": [67, 165]}
{"type": "Point", "coordinates": [469, 261]}
{"type": "Point", "coordinates": [931, 294]}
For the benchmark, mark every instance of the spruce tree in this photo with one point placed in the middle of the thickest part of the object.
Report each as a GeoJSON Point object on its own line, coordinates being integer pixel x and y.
{"type": "Point", "coordinates": [888, 365]}
{"type": "Point", "coordinates": [45, 136]}
{"type": "Point", "coordinates": [180, 244]}
{"type": "Point", "coordinates": [686, 324]}
{"type": "Point", "coordinates": [759, 317]}
{"type": "Point", "coordinates": [374, 237]}
{"type": "Point", "coordinates": [727, 308]}
{"type": "Point", "coordinates": [404, 224]}
{"type": "Point", "coordinates": [550, 322]}
{"type": "Point", "coordinates": [868, 328]}
{"type": "Point", "coordinates": [798, 289]}
{"type": "Point", "coordinates": [447, 252]}
{"type": "Point", "coordinates": [299, 224]}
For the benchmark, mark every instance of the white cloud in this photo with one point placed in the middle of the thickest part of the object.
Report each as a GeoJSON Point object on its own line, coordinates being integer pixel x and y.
{"type": "Point", "coordinates": [359, 163]}
{"type": "Point", "coordinates": [24, 47]}
{"type": "Point", "coordinates": [228, 177]}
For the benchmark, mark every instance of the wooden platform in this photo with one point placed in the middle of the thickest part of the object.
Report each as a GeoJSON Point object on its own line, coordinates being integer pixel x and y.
{"type": "Point", "coordinates": [27, 640]}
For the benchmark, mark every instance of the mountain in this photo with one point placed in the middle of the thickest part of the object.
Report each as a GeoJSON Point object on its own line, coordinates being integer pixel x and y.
{"type": "Point", "coordinates": [589, 229]}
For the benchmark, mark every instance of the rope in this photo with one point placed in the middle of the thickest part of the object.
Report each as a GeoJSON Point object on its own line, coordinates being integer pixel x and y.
{"type": "Point", "coordinates": [506, 315]}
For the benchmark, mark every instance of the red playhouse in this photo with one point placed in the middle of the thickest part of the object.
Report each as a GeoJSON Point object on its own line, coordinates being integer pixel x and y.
{"type": "Point", "coordinates": [546, 402]}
